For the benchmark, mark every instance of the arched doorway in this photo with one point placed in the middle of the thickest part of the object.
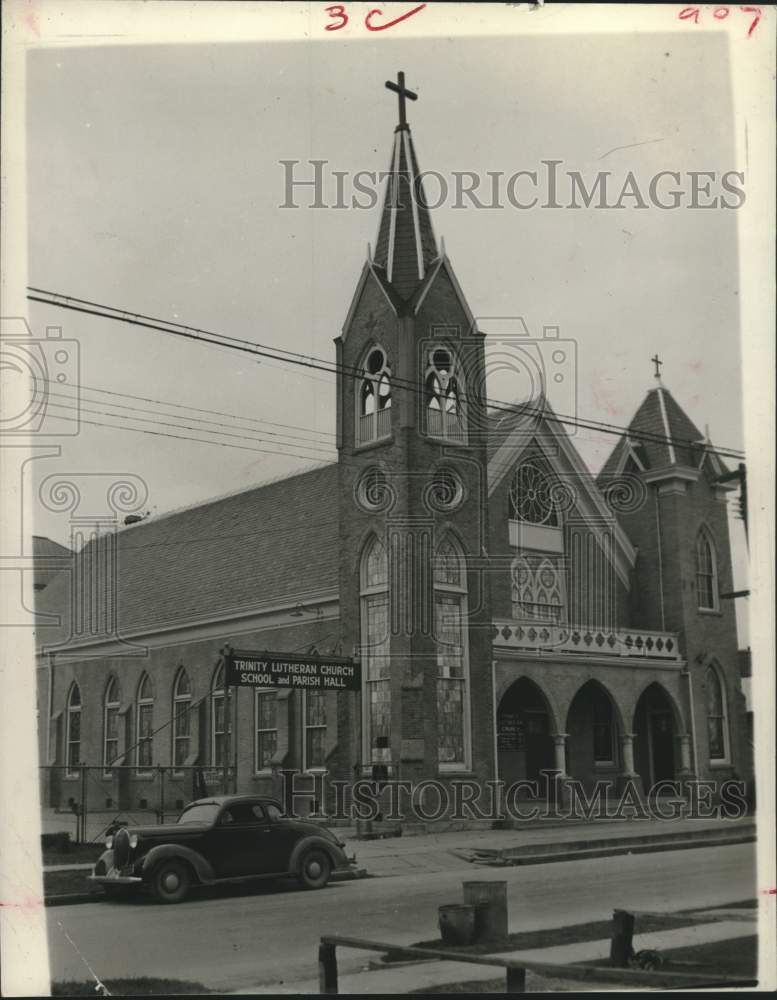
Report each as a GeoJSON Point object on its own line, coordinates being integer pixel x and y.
{"type": "Point", "coordinates": [593, 734]}
{"type": "Point", "coordinates": [655, 732]}
{"type": "Point", "coordinates": [525, 730]}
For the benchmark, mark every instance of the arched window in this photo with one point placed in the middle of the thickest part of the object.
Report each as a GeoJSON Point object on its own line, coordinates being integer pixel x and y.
{"type": "Point", "coordinates": [537, 589]}
{"type": "Point", "coordinates": [218, 720]}
{"type": "Point", "coordinates": [373, 414]}
{"type": "Point", "coordinates": [144, 730]}
{"type": "Point", "coordinates": [182, 723]}
{"type": "Point", "coordinates": [706, 572]}
{"type": "Point", "coordinates": [450, 633]}
{"type": "Point", "coordinates": [73, 730]}
{"type": "Point", "coordinates": [110, 725]}
{"type": "Point", "coordinates": [374, 591]}
{"type": "Point", "coordinates": [444, 394]}
{"type": "Point", "coordinates": [531, 495]}
{"type": "Point", "coordinates": [717, 716]}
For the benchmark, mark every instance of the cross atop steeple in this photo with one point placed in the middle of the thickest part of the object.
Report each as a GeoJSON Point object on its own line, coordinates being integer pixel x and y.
{"type": "Point", "coordinates": [658, 363]}
{"type": "Point", "coordinates": [403, 93]}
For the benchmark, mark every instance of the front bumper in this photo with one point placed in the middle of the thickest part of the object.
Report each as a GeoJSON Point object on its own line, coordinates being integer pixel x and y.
{"type": "Point", "coordinates": [114, 877]}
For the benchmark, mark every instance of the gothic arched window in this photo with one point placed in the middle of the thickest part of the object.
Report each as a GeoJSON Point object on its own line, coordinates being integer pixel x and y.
{"type": "Point", "coordinates": [717, 716]}
{"type": "Point", "coordinates": [376, 649]}
{"type": "Point", "coordinates": [73, 730]}
{"type": "Point", "coordinates": [444, 394]}
{"type": "Point", "coordinates": [182, 726]}
{"type": "Point", "coordinates": [450, 633]}
{"type": "Point", "coordinates": [706, 572]}
{"type": "Point", "coordinates": [144, 730]}
{"type": "Point", "coordinates": [537, 589]}
{"type": "Point", "coordinates": [373, 413]}
{"type": "Point", "coordinates": [110, 725]}
{"type": "Point", "coordinates": [531, 495]}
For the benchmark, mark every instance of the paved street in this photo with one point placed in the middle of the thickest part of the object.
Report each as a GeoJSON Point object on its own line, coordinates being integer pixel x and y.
{"type": "Point", "coordinates": [270, 936]}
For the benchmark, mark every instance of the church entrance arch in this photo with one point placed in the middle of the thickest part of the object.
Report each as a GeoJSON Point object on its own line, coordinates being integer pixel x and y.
{"type": "Point", "coordinates": [525, 729]}
{"type": "Point", "coordinates": [593, 734]}
{"type": "Point", "coordinates": [655, 737]}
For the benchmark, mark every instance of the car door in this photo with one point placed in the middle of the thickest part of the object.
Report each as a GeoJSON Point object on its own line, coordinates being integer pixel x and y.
{"type": "Point", "coordinates": [234, 841]}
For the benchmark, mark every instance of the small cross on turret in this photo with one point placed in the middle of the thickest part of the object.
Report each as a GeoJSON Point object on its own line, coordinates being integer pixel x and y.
{"type": "Point", "coordinates": [658, 363]}
{"type": "Point", "coordinates": [403, 94]}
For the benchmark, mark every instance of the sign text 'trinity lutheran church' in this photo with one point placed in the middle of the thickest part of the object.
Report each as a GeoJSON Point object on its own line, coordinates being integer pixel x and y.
{"type": "Point", "coordinates": [251, 669]}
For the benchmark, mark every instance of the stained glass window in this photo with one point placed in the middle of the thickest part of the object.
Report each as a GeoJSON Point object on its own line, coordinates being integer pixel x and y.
{"type": "Point", "coordinates": [531, 495]}
{"type": "Point", "coordinates": [376, 649]}
{"type": "Point", "coordinates": [537, 589]}
{"type": "Point", "coordinates": [219, 734]}
{"type": "Point", "coordinates": [450, 633]}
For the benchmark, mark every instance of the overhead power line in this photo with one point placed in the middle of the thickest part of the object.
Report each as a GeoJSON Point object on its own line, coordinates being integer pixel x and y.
{"type": "Point", "coordinates": [132, 318]}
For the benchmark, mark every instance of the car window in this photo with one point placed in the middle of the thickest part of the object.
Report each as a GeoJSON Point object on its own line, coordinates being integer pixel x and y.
{"type": "Point", "coordinates": [242, 813]}
{"type": "Point", "coordinates": [201, 812]}
{"type": "Point", "coordinates": [273, 812]}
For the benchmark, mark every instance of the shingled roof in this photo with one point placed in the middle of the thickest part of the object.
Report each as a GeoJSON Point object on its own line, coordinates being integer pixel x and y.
{"type": "Point", "coordinates": [662, 435]}
{"type": "Point", "coordinates": [406, 245]}
{"type": "Point", "coordinates": [266, 545]}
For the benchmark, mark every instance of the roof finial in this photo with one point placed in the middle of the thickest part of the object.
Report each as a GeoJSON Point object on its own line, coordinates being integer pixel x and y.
{"type": "Point", "coordinates": [658, 363]}
{"type": "Point", "coordinates": [403, 93]}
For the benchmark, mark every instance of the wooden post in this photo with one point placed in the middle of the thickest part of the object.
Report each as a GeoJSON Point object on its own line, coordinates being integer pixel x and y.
{"type": "Point", "coordinates": [515, 980]}
{"type": "Point", "coordinates": [490, 900]}
{"type": "Point", "coordinates": [622, 934]}
{"type": "Point", "coordinates": [327, 968]}
{"type": "Point", "coordinates": [82, 834]}
{"type": "Point", "coordinates": [234, 726]}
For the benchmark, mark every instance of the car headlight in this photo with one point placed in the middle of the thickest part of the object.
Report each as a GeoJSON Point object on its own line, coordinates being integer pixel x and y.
{"type": "Point", "coordinates": [109, 842]}
{"type": "Point", "coordinates": [133, 841]}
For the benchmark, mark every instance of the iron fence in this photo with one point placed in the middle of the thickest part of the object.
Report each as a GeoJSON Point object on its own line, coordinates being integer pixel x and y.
{"type": "Point", "coordinates": [87, 799]}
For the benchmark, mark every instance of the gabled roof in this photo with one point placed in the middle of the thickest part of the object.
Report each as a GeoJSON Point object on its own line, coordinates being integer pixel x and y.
{"type": "Point", "coordinates": [514, 429]}
{"type": "Point", "coordinates": [406, 245]}
{"type": "Point", "coordinates": [663, 437]}
{"type": "Point", "coordinates": [221, 558]}
{"type": "Point", "coordinates": [49, 558]}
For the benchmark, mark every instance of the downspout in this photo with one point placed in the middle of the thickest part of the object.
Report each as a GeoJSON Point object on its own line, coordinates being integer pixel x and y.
{"type": "Point", "coordinates": [687, 673]}
{"type": "Point", "coordinates": [660, 563]}
{"type": "Point", "coordinates": [50, 710]}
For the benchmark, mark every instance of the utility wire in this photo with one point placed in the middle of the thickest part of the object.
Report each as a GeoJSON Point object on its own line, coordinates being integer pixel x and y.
{"type": "Point", "coordinates": [224, 340]}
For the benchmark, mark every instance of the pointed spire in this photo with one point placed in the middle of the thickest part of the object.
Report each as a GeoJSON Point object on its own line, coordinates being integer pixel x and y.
{"type": "Point", "coordinates": [405, 246]}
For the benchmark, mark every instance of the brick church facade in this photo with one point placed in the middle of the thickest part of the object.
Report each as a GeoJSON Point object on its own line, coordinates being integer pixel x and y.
{"type": "Point", "coordinates": [510, 611]}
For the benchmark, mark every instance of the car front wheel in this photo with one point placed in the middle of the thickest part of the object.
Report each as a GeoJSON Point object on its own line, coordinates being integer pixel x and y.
{"type": "Point", "coordinates": [171, 881]}
{"type": "Point", "coordinates": [314, 869]}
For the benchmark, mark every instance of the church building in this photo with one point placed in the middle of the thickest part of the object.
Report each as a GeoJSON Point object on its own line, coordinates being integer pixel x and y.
{"type": "Point", "coordinates": [509, 611]}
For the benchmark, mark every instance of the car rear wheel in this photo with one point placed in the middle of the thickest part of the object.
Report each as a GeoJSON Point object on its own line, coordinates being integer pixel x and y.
{"type": "Point", "coordinates": [314, 869]}
{"type": "Point", "coordinates": [171, 881]}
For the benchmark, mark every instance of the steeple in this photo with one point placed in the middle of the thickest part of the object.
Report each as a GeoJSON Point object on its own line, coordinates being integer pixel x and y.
{"type": "Point", "coordinates": [406, 246]}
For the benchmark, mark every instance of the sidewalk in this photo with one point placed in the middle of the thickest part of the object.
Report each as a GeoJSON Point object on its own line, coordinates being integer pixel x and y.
{"type": "Point", "coordinates": [433, 852]}
{"type": "Point", "coordinates": [420, 975]}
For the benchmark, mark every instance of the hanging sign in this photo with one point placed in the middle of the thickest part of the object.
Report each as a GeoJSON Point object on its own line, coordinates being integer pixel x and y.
{"type": "Point", "coordinates": [247, 668]}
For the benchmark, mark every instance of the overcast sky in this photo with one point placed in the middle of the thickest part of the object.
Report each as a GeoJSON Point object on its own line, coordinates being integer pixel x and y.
{"type": "Point", "coordinates": [155, 184]}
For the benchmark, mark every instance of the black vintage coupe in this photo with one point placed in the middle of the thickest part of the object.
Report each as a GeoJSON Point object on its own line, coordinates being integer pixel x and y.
{"type": "Point", "coordinates": [230, 838]}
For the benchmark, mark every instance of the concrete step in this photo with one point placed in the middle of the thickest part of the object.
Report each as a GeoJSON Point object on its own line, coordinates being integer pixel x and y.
{"type": "Point", "coordinates": [536, 854]}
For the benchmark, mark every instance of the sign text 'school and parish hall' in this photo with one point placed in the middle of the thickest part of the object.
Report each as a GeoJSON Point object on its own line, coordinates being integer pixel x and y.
{"type": "Point", "coordinates": [253, 669]}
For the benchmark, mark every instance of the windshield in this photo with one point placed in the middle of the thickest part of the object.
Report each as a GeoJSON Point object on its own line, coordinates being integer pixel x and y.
{"type": "Point", "coordinates": [205, 812]}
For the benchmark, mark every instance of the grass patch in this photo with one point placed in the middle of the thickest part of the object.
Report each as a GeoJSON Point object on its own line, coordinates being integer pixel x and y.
{"type": "Point", "coordinates": [143, 986]}
{"type": "Point", "coordinates": [76, 854]}
{"type": "Point", "coordinates": [60, 883]}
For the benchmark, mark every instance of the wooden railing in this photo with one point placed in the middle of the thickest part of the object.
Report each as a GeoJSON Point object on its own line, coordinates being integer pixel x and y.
{"type": "Point", "coordinates": [567, 639]}
{"type": "Point", "coordinates": [515, 970]}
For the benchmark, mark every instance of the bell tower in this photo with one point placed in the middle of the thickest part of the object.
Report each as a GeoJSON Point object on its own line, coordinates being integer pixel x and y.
{"type": "Point", "coordinates": [411, 437]}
